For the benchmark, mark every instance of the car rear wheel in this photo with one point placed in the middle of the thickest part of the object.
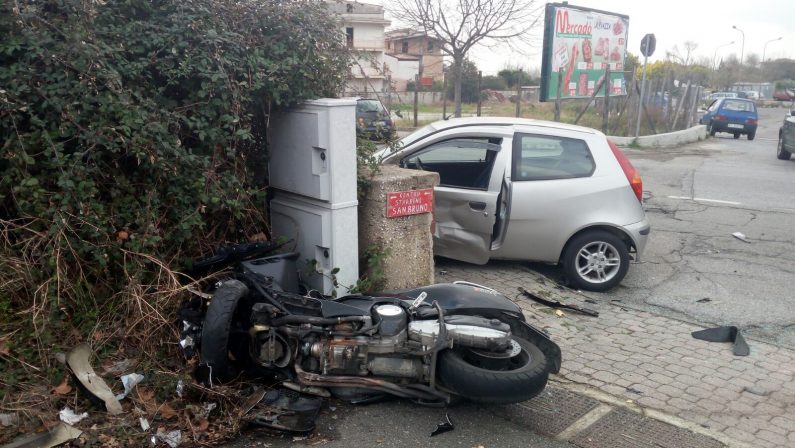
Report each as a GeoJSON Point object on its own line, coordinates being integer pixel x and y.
{"type": "Point", "coordinates": [751, 135]}
{"type": "Point", "coordinates": [711, 129]}
{"type": "Point", "coordinates": [596, 260]}
{"type": "Point", "coordinates": [736, 135]}
{"type": "Point", "coordinates": [782, 153]}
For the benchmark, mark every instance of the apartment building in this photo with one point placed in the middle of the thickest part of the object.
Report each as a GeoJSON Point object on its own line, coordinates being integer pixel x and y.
{"type": "Point", "coordinates": [364, 26]}
{"type": "Point", "coordinates": [409, 45]}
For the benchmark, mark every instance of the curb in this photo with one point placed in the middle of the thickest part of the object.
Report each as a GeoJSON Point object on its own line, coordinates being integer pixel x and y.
{"type": "Point", "coordinates": [669, 139]}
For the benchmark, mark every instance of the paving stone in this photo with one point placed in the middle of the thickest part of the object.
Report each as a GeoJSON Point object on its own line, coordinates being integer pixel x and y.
{"type": "Point", "coordinates": [699, 392]}
{"type": "Point", "coordinates": [661, 379]}
{"type": "Point", "coordinates": [771, 437]}
{"type": "Point", "coordinates": [740, 435]}
{"type": "Point", "coordinates": [787, 422]}
{"type": "Point", "coordinates": [679, 403]}
{"type": "Point", "coordinates": [768, 410]}
{"type": "Point", "coordinates": [687, 381]}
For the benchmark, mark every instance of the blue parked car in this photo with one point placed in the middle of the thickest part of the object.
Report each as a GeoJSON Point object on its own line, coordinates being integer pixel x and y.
{"type": "Point", "coordinates": [733, 115]}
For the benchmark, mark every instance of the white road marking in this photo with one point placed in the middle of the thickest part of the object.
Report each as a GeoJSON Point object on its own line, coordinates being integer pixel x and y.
{"type": "Point", "coordinates": [687, 198]}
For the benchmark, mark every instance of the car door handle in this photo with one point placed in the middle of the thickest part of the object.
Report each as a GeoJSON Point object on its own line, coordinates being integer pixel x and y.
{"type": "Point", "coordinates": [477, 206]}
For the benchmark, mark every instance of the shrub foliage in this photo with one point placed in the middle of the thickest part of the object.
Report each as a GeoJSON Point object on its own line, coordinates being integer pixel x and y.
{"type": "Point", "coordinates": [132, 137]}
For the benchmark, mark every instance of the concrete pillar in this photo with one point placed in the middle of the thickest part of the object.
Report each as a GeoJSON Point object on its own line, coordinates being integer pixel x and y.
{"type": "Point", "coordinates": [409, 262]}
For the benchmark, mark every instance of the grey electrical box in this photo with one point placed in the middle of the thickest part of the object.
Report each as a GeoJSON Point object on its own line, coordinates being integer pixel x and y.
{"type": "Point", "coordinates": [312, 168]}
{"type": "Point", "coordinates": [313, 150]}
{"type": "Point", "coordinates": [326, 236]}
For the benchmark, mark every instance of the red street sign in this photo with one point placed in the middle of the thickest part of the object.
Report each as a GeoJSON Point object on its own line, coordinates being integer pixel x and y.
{"type": "Point", "coordinates": [426, 81]}
{"type": "Point", "coordinates": [405, 203]}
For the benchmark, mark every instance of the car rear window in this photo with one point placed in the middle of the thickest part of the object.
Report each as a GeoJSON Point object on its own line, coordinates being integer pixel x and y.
{"type": "Point", "coordinates": [739, 106]}
{"type": "Point", "coordinates": [369, 106]}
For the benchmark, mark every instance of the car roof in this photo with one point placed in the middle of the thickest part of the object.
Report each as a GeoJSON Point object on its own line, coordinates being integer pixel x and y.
{"type": "Point", "coordinates": [507, 121]}
{"type": "Point", "coordinates": [723, 100]}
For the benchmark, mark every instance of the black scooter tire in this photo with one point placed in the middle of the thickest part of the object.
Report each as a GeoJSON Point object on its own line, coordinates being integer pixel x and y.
{"type": "Point", "coordinates": [216, 330]}
{"type": "Point", "coordinates": [482, 385]}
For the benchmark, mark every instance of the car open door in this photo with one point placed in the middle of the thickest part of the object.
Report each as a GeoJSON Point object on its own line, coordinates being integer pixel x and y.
{"type": "Point", "coordinates": [465, 202]}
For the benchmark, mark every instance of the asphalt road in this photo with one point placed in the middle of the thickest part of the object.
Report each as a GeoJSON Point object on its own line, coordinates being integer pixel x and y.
{"type": "Point", "coordinates": [696, 196]}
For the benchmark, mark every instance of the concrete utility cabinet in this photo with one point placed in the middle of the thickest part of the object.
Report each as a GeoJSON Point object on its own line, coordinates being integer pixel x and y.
{"type": "Point", "coordinates": [312, 167]}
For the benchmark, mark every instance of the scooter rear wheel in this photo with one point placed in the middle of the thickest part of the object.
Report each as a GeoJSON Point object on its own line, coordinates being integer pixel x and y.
{"type": "Point", "coordinates": [481, 378]}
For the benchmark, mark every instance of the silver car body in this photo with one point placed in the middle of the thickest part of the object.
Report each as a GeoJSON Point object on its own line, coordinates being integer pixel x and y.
{"type": "Point", "coordinates": [535, 218]}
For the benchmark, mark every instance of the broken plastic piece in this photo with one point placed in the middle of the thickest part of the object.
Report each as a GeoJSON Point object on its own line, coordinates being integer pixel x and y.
{"type": "Point", "coordinates": [180, 388]}
{"type": "Point", "coordinates": [68, 416]}
{"type": "Point", "coordinates": [144, 423]}
{"type": "Point", "coordinates": [206, 409]}
{"type": "Point", "coordinates": [444, 426]}
{"type": "Point", "coordinates": [171, 438]}
{"type": "Point", "coordinates": [285, 410]}
{"type": "Point", "coordinates": [77, 360]}
{"type": "Point", "coordinates": [57, 436]}
{"type": "Point", "coordinates": [9, 419]}
{"type": "Point", "coordinates": [741, 236]}
{"type": "Point", "coordinates": [725, 334]}
{"type": "Point", "coordinates": [119, 367]}
{"type": "Point", "coordinates": [129, 382]}
{"type": "Point", "coordinates": [555, 304]}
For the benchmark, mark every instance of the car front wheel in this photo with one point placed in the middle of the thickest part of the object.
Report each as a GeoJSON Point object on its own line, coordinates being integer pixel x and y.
{"type": "Point", "coordinates": [782, 153]}
{"type": "Point", "coordinates": [596, 261]}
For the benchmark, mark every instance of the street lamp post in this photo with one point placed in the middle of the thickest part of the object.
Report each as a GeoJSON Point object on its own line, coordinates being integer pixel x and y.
{"type": "Point", "coordinates": [715, 56]}
{"type": "Point", "coordinates": [742, 48]}
{"type": "Point", "coordinates": [764, 49]}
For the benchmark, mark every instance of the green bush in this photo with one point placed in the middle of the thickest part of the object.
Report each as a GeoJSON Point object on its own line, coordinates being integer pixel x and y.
{"type": "Point", "coordinates": [132, 138]}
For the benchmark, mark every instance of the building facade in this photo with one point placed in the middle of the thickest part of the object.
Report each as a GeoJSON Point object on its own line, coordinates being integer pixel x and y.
{"type": "Point", "coordinates": [364, 26]}
{"type": "Point", "coordinates": [407, 44]}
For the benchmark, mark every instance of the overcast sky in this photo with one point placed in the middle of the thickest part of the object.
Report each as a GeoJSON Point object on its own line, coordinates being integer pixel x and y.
{"type": "Point", "coordinates": [709, 23]}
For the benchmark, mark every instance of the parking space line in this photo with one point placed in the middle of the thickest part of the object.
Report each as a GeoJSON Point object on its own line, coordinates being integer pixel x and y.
{"type": "Point", "coordinates": [718, 201]}
{"type": "Point", "coordinates": [584, 422]}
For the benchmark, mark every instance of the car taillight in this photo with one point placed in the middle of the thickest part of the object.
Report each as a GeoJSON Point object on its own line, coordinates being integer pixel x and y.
{"type": "Point", "coordinates": [720, 118]}
{"type": "Point", "coordinates": [632, 174]}
{"type": "Point", "coordinates": [750, 121]}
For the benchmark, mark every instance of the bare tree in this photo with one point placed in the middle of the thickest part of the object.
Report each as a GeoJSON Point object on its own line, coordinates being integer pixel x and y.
{"type": "Point", "coordinates": [461, 24]}
{"type": "Point", "coordinates": [685, 56]}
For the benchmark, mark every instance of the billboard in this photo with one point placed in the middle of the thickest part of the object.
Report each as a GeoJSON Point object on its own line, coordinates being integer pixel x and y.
{"type": "Point", "coordinates": [579, 44]}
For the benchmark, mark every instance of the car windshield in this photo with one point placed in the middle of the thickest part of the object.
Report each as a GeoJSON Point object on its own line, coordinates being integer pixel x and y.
{"type": "Point", "coordinates": [369, 106]}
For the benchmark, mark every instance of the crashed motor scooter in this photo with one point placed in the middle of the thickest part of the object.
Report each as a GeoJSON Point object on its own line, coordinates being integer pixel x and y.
{"type": "Point", "coordinates": [433, 344]}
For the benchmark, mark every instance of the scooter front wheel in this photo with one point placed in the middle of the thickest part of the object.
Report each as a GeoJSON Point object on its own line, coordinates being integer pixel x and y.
{"type": "Point", "coordinates": [516, 375]}
{"type": "Point", "coordinates": [218, 342]}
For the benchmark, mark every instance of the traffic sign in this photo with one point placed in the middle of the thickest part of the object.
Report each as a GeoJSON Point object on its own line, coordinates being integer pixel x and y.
{"type": "Point", "coordinates": [648, 44]}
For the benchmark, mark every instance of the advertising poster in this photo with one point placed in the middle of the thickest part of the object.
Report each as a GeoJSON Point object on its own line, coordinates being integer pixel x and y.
{"type": "Point", "coordinates": [579, 44]}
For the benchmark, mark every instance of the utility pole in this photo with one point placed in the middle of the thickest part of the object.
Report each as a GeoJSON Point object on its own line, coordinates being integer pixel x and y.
{"type": "Point", "coordinates": [518, 95]}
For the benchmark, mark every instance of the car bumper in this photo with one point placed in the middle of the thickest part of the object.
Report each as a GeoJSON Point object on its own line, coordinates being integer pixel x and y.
{"type": "Point", "coordinates": [639, 232]}
{"type": "Point", "coordinates": [733, 127]}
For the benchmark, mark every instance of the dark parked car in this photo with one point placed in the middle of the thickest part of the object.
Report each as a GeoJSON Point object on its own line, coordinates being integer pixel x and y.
{"type": "Point", "coordinates": [784, 95]}
{"type": "Point", "coordinates": [786, 137]}
{"type": "Point", "coordinates": [733, 115]}
{"type": "Point", "coordinates": [373, 120]}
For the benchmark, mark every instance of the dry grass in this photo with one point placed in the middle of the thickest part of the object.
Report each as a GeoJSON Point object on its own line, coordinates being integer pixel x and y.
{"type": "Point", "coordinates": [47, 307]}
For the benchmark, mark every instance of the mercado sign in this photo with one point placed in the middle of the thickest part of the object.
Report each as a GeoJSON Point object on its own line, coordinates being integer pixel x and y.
{"type": "Point", "coordinates": [579, 45]}
{"type": "Point", "coordinates": [412, 202]}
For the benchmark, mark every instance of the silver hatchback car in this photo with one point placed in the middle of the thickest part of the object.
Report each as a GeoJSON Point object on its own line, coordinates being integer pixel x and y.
{"type": "Point", "coordinates": [522, 189]}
